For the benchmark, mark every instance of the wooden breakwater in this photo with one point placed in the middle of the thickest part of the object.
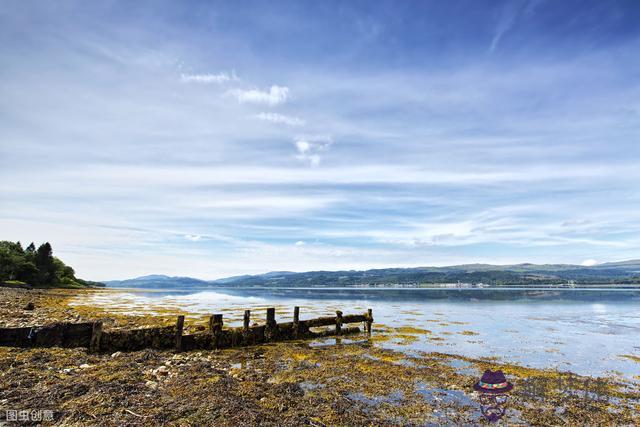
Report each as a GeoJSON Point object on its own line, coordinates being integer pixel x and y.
{"type": "Point", "coordinates": [92, 336]}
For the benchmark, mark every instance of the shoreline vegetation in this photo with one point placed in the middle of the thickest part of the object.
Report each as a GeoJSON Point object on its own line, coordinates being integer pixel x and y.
{"type": "Point", "coordinates": [31, 267]}
{"type": "Point", "coordinates": [343, 381]}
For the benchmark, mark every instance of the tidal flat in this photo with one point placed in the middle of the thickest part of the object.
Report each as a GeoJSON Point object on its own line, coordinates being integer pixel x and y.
{"type": "Point", "coordinates": [405, 373]}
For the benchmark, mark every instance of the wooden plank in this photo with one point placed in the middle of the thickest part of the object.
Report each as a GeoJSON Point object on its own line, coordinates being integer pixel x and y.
{"type": "Point", "coordinates": [55, 335]}
{"type": "Point", "coordinates": [139, 339]}
{"type": "Point", "coordinates": [15, 337]}
{"type": "Point", "coordinates": [69, 335]}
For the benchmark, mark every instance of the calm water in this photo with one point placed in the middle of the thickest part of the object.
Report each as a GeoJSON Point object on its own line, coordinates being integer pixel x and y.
{"type": "Point", "coordinates": [584, 331]}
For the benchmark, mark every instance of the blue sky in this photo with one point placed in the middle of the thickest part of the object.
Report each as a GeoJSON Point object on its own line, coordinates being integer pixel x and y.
{"type": "Point", "coordinates": [217, 138]}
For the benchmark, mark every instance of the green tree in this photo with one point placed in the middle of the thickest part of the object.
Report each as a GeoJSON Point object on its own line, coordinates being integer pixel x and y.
{"type": "Point", "coordinates": [11, 259]}
{"type": "Point", "coordinates": [46, 275]}
{"type": "Point", "coordinates": [36, 266]}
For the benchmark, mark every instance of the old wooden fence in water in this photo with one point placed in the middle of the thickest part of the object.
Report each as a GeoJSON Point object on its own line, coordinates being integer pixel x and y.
{"type": "Point", "coordinates": [91, 335]}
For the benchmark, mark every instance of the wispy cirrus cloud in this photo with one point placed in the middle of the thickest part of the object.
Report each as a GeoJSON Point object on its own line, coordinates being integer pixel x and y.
{"type": "Point", "coordinates": [281, 119]}
{"type": "Point", "coordinates": [222, 77]}
{"type": "Point", "coordinates": [276, 95]}
{"type": "Point", "coordinates": [511, 13]}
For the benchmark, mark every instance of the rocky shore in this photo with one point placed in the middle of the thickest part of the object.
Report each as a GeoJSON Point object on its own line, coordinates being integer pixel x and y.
{"type": "Point", "coordinates": [332, 382]}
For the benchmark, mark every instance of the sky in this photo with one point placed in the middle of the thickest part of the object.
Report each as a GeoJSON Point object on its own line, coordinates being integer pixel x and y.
{"type": "Point", "coordinates": [210, 139]}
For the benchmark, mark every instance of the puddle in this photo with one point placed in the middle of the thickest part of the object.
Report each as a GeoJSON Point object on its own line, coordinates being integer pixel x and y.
{"type": "Point", "coordinates": [463, 367]}
{"type": "Point", "coordinates": [394, 397]}
{"type": "Point", "coordinates": [443, 396]}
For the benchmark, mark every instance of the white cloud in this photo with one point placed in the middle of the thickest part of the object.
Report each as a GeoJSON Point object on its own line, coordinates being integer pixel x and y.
{"type": "Point", "coordinates": [280, 119]}
{"type": "Point", "coordinates": [589, 262]}
{"type": "Point", "coordinates": [193, 237]}
{"type": "Point", "coordinates": [309, 148]}
{"type": "Point", "coordinates": [274, 96]}
{"type": "Point", "coordinates": [300, 243]}
{"type": "Point", "coordinates": [221, 77]}
{"type": "Point", "coordinates": [303, 146]}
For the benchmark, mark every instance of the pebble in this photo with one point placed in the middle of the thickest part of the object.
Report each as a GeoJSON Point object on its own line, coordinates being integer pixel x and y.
{"type": "Point", "coordinates": [152, 384]}
{"type": "Point", "coordinates": [116, 354]}
{"type": "Point", "coordinates": [85, 366]}
{"type": "Point", "coordinates": [162, 370]}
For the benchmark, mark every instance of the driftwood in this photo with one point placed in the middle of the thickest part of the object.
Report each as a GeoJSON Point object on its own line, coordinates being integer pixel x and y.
{"type": "Point", "coordinates": [92, 336]}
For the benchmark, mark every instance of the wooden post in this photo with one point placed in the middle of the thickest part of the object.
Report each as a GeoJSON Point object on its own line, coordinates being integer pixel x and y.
{"type": "Point", "coordinates": [296, 321]}
{"type": "Point", "coordinates": [96, 335]}
{"type": "Point", "coordinates": [215, 328]}
{"type": "Point", "coordinates": [369, 320]}
{"type": "Point", "coordinates": [271, 316]}
{"type": "Point", "coordinates": [338, 322]}
{"type": "Point", "coordinates": [269, 330]}
{"type": "Point", "coordinates": [215, 323]}
{"type": "Point", "coordinates": [246, 320]}
{"type": "Point", "coordinates": [179, 327]}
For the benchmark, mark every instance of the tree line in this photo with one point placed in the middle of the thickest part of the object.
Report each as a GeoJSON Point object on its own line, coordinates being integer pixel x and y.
{"type": "Point", "coordinates": [37, 267]}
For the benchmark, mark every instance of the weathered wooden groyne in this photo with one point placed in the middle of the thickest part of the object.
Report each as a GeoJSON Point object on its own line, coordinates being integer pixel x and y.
{"type": "Point", "coordinates": [92, 336]}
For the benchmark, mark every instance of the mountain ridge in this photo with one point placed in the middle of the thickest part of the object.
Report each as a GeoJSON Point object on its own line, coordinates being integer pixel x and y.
{"type": "Point", "coordinates": [624, 272]}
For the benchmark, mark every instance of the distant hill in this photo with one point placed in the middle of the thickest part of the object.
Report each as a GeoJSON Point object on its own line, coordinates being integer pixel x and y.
{"type": "Point", "coordinates": [157, 281]}
{"type": "Point", "coordinates": [625, 272]}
